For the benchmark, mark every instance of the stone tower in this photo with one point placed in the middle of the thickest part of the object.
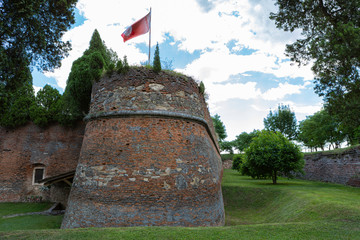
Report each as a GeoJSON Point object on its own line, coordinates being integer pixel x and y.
{"type": "Point", "coordinates": [149, 156]}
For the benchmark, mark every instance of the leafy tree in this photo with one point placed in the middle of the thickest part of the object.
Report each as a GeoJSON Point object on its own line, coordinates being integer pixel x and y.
{"type": "Point", "coordinates": [45, 108]}
{"type": "Point", "coordinates": [283, 120]}
{"type": "Point", "coordinates": [331, 31]}
{"type": "Point", "coordinates": [219, 127]}
{"type": "Point", "coordinates": [243, 140]}
{"type": "Point", "coordinates": [16, 111]}
{"type": "Point", "coordinates": [270, 153]}
{"type": "Point", "coordinates": [157, 62]}
{"type": "Point", "coordinates": [31, 34]}
{"type": "Point", "coordinates": [84, 72]}
{"type": "Point", "coordinates": [321, 128]}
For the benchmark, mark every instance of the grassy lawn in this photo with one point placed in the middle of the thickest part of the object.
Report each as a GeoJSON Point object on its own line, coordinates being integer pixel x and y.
{"type": "Point", "coordinates": [255, 209]}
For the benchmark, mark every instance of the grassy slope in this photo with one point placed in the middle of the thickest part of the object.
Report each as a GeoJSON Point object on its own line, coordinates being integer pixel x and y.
{"type": "Point", "coordinates": [255, 209]}
{"type": "Point", "coordinates": [27, 222]}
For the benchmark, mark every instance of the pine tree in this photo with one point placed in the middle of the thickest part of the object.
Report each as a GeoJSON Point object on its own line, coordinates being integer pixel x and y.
{"type": "Point", "coordinates": [157, 63]}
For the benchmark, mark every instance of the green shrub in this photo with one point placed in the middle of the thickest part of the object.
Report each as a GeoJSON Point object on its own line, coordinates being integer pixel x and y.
{"type": "Point", "coordinates": [119, 66]}
{"type": "Point", "coordinates": [271, 154]}
{"type": "Point", "coordinates": [237, 162]}
{"type": "Point", "coordinates": [202, 88]}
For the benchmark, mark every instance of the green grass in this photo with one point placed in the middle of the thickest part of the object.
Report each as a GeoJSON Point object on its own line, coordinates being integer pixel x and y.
{"type": "Point", "coordinates": [255, 209]}
{"type": "Point", "coordinates": [27, 222]}
{"type": "Point", "coordinates": [15, 208]}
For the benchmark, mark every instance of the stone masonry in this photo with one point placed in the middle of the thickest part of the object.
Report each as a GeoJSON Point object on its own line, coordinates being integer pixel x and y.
{"type": "Point", "coordinates": [149, 156]}
{"type": "Point", "coordinates": [55, 148]}
{"type": "Point", "coordinates": [343, 168]}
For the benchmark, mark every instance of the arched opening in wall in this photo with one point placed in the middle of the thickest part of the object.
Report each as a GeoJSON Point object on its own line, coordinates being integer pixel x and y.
{"type": "Point", "coordinates": [38, 174]}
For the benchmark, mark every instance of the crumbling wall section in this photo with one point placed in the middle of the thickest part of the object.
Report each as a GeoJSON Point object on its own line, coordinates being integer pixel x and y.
{"type": "Point", "coordinates": [343, 168]}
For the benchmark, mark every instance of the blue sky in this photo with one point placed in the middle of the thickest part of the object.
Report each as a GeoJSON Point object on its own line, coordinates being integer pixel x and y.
{"type": "Point", "coordinates": [230, 45]}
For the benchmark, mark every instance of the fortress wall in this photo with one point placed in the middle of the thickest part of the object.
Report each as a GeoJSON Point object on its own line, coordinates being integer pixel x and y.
{"type": "Point", "coordinates": [149, 156]}
{"type": "Point", "coordinates": [343, 168]}
{"type": "Point", "coordinates": [56, 148]}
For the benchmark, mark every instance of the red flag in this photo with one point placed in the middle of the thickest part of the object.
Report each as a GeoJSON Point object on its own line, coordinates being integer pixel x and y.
{"type": "Point", "coordinates": [140, 27]}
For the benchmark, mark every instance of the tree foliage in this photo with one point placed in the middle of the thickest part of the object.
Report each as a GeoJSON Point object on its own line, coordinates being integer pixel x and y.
{"type": "Point", "coordinates": [321, 128]}
{"type": "Point", "coordinates": [84, 72]}
{"type": "Point", "coordinates": [283, 120]}
{"type": "Point", "coordinates": [157, 62]}
{"type": "Point", "coordinates": [45, 108]}
{"type": "Point", "coordinates": [31, 34]}
{"type": "Point", "coordinates": [16, 106]}
{"type": "Point", "coordinates": [237, 162]}
{"type": "Point", "coordinates": [331, 31]}
{"type": "Point", "coordinates": [219, 127]}
{"type": "Point", "coordinates": [244, 139]}
{"type": "Point", "coordinates": [269, 154]}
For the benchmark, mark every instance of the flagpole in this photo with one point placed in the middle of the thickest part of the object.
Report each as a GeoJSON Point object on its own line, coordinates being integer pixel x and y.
{"type": "Point", "coordinates": [149, 37]}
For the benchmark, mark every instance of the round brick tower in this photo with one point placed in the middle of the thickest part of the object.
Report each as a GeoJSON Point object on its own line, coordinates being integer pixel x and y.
{"type": "Point", "coordinates": [149, 156]}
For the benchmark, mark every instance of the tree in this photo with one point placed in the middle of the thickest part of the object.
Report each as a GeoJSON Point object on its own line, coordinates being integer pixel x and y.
{"type": "Point", "coordinates": [270, 153]}
{"type": "Point", "coordinates": [221, 133]}
{"type": "Point", "coordinates": [321, 128]}
{"type": "Point", "coordinates": [45, 108]}
{"type": "Point", "coordinates": [84, 72]}
{"type": "Point", "coordinates": [243, 140]}
{"type": "Point", "coordinates": [331, 31]}
{"type": "Point", "coordinates": [157, 62]}
{"type": "Point", "coordinates": [219, 127]}
{"type": "Point", "coordinates": [16, 110]}
{"type": "Point", "coordinates": [31, 34]}
{"type": "Point", "coordinates": [283, 120]}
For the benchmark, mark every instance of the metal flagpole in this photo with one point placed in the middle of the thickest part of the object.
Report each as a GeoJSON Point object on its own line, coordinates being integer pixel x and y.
{"type": "Point", "coordinates": [149, 37]}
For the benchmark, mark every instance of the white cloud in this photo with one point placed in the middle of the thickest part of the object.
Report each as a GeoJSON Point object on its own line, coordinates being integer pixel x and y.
{"type": "Point", "coordinates": [36, 89]}
{"type": "Point", "coordinates": [281, 91]}
{"type": "Point", "coordinates": [202, 25]}
{"type": "Point", "coordinates": [208, 26]}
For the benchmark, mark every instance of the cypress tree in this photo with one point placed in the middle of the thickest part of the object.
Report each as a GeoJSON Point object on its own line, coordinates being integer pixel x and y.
{"type": "Point", "coordinates": [157, 63]}
{"type": "Point", "coordinates": [84, 71]}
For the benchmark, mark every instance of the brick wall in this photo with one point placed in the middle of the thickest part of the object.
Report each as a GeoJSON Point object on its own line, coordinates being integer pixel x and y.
{"type": "Point", "coordinates": [343, 168]}
{"type": "Point", "coordinates": [21, 150]}
{"type": "Point", "coordinates": [149, 156]}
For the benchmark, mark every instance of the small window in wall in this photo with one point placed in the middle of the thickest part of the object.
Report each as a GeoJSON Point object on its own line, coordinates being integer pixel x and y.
{"type": "Point", "coordinates": [38, 174]}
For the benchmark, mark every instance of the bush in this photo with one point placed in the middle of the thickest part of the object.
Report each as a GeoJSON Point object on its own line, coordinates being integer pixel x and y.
{"type": "Point", "coordinates": [237, 162]}
{"type": "Point", "coordinates": [271, 154]}
{"type": "Point", "coordinates": [119, 66]}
